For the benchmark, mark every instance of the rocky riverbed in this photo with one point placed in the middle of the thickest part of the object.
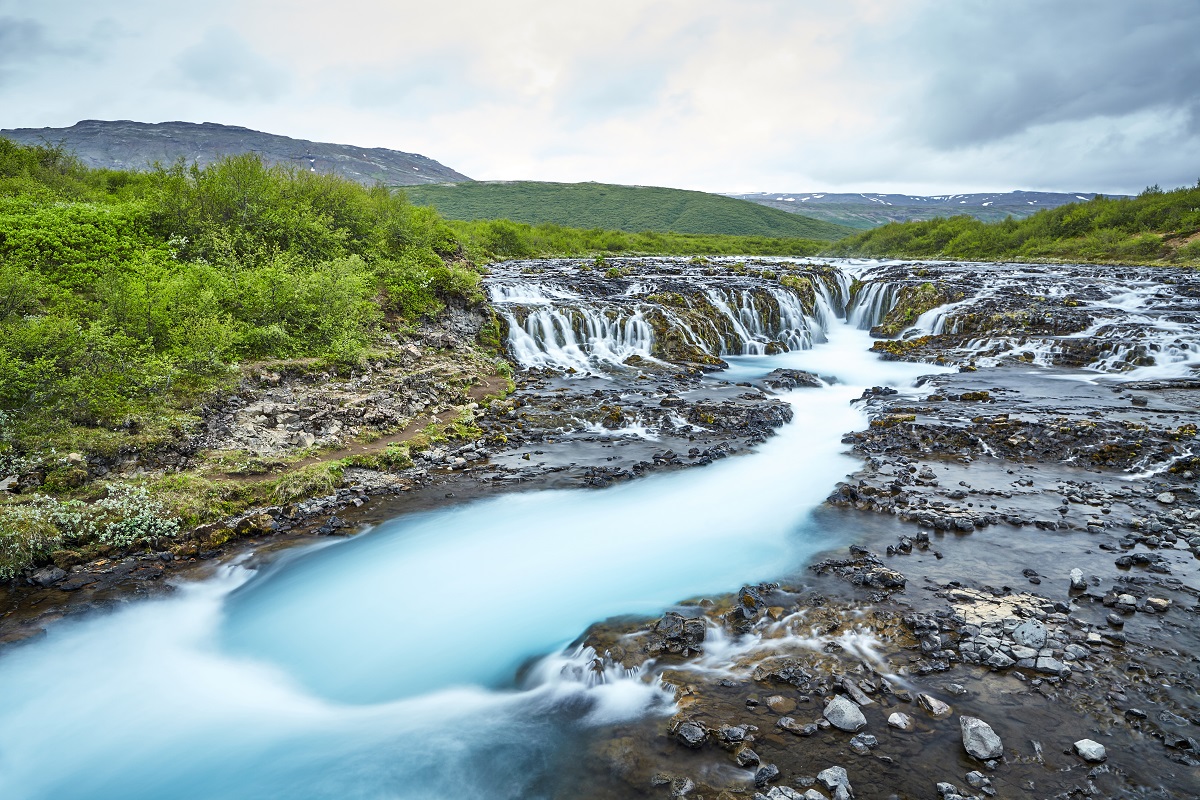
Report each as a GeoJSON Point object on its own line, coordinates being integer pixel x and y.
{"type": "Point", "coordinates": [1016, 612]}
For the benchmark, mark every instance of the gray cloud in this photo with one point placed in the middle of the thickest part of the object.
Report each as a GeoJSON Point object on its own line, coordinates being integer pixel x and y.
{"type": "Point", "coordinates": [996, 70]}
{"type": "Point", "coordinates": [224, 65]}
{"type": "Point", "coordinates": [23, 42]}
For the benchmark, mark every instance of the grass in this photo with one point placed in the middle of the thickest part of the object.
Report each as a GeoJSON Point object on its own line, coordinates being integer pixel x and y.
{"type": "Point", "coordinates": [632, 209]}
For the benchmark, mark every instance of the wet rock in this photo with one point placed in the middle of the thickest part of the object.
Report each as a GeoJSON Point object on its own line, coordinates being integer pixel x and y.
{"type": "Point", "coordinates": [1051, 666]}
{"type": "Point", "coordinates": [767, 773]}
{"type": "Point", "coordinates": [979, 740]}
{"type": "Point", "coordinates": [675, 633]}
{"type": "Point", "coordinates": [901, 721]}
{"type": "Point", "coordinates": [1077, 581]}
{"type": "Point", "coordinates": [1030, 634]}
{"type": "Point", "coordinates": [977, 780]}
{"type": "Point", "coordinates": [47, 576]}
{"type": "Point", "coordinates": [1158, 604]}
{"type": "Point", "coordinates": [800, 729]}
{"type": "Point", "coordinates": [856, 693]}
{"type": "Point", "coordinates": [1166, 498]}
{"type": "Point", "coordinates": [863, 743]}
{"type": "Point", "coordinates": [692, 735]}
{"type": "Point", "coordinates": [781, 793]}
{"type": "Point", "coordinates": [746, 757]}
{"type": "Point", "coordinates": [836, 780]}
{"type": "Point", "coordinates": [783, 379]}
{"type": "Point", "coordinates": [780, 704]}
{"type": "Point", "coordinates": [1091, 751]}
{"type": "Point", "coordinates": [844, 715]}
{"type": "Point", "coordinates": [934, 706]}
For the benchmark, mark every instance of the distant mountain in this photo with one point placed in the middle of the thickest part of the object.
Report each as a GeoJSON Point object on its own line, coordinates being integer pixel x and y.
{"type": "Point", "coordinates": [121, 144]}
{"type": "Point", "coordinates": [626, 208]}
{"type": "Point", "coordinates": [870, 210]}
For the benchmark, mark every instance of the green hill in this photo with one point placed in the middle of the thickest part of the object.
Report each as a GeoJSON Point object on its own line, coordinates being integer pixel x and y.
{"type": "Point", "coordinates": [1154, 227]}
{"type": "Point", "coordinates": [625, 208]}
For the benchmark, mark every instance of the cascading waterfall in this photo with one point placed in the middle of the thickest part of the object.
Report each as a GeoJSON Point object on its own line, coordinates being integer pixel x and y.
{"type": "Point", "coordinates": [554, 326]}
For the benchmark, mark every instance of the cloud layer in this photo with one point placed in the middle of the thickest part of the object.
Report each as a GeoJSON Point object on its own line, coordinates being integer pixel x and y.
{"type": "Point", "coordinates": [918, 96]}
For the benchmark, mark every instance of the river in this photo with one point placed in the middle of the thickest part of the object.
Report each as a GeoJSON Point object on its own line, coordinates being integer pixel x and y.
{"type": "Point", "coordinates": [385, 665]}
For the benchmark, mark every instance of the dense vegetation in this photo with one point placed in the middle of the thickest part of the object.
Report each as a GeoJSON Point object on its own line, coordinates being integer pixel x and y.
{"type": "Point", "coordinates": [496, 240]}
{"type": "Point", "coordinates": [122, 295]}
{"type": "Point", "coordinates": [619, 208]}
{"type": "Point", "coordinates": [1155, 227]}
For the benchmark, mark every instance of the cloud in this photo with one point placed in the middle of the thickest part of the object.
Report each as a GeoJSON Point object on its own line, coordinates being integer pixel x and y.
{"type": "Point", "coordinates": [996, 70]}
{"type": "Point", "coordinates": [923, 95]}
{"type": "Point", "coordinates": [224, 65]}
{"type": "Point", "coordinates": [23, 43]}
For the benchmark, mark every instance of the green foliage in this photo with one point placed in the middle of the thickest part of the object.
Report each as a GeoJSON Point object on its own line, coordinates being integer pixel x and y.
{"type": "Point", "coordinates": [543, 241]}
{"type": "Point", "coordinates": [1152, 227]}
{"type": "Point", "coordinates": [126, 516]}
{"type": "Point", "coordinates": [315, 480]}
{"type": "Point", "coordinates": [612, 208]}
{"type": "Point", "coordinates": [124, 297]}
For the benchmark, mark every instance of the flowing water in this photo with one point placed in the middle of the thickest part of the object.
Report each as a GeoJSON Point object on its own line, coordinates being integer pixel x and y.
{"type": "Point", "coordinates": [425, 657]}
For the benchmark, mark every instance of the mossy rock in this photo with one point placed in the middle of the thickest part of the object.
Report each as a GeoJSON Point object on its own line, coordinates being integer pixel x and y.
{"type": "Point", "coordinates": [911, 303]}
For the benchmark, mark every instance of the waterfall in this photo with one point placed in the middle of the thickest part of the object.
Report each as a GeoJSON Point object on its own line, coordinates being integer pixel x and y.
{"type": "Point", "coordinates": [552, 326]}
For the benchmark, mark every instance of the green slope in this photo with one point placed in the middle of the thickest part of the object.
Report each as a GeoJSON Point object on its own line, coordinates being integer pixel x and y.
{"type": "Point", "coordinates": [625, 208]}
{"type": "Point", "coordinates": [1156, 227]}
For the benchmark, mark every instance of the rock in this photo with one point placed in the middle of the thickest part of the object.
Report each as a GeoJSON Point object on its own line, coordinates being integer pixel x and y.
{"type": "Point", "coordinates": [74, 458]}
{"type": "Point", "coordinates": [856, 693]}
{"type": "Point", "coordinates": [782, 793]}
{"type": "Point", "coordinates": [1000, 661]}
{"type": "Point", "coordinates": [1089, 750]}
{"type": "Point", "coordinates": [780, 704]}
{"type": "Point", "coordinates": [746, 757]}
{"type": "Point", "coordinates": [791, 726]}
{"type": "Point", "coordinates": [1166, 498]}
{"type": "Point", "coordinates": [934, 706]}
{"type": "Point", "coordinates": [947, 789]}
{"type": "Point", "coordinates": [304, 439]}
{"type": "Point", "coordinates": [692, 735]}
{"type": "Point", "coordinates": [844, 715]}
{"type": "Point", "coordinates": [791, 379]}
{"type": "Point", "coordinates": [1030, 634]}
{"type": "Point", "coordinates": [979, 740]}
{"type": "Point", "coordinates": [863, 743]}
{"type": "Point", "coordinates": [1051, 666]}
{"type": "Point", "coordinates": [978, 780]}
{"type": "Point", "coordinates": [1077, 581]}
{"type": "Point", "coordinates": [1159, 604]}
{"type": "Point", "coordinates": [765, 774]}
{"type": "Point", "coordinates": [47, 576]}
{"type": "Point", "coordinates": [902, 721]}
{"type": "Point", "coordinates": [834, 777]}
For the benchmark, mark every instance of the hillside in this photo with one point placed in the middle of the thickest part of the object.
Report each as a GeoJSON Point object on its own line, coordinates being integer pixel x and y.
{"type": "Point", "coordinates": [121, 144]}
{"type": "Point", "coordinates": [869, 210]}
{"type": "Point", "coordinates": [1154, 227]}
{"type": "Point", "coordinates": [626, 208]}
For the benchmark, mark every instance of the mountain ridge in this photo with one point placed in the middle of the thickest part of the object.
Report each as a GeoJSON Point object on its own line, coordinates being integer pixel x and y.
{"type": "Point", "coordinates": [131, 145]}
{"type": "Point", "coordinates": [870, 209]}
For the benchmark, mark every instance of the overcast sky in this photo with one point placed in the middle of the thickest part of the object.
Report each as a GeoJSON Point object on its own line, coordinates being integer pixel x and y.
{"type": "Point", "coordinates": [920, 96]}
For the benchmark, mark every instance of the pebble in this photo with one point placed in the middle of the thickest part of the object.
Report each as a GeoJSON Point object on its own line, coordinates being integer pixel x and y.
{"type": "Point", "coordinates": [1091, 751]}
{"type": "Point", "coordinates": [901, 721]}
{"type": "Point", "coordinates": [1077, 581]}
